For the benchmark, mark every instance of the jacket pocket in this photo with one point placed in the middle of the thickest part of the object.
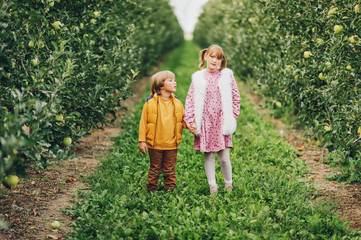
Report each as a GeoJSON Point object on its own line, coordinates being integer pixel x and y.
{"type": "Point", "coordinates": [150, 131]}
{"type": "Point", "coordinates": [152, 119]}
{"type": "Point", "coordinates": [179, 129]}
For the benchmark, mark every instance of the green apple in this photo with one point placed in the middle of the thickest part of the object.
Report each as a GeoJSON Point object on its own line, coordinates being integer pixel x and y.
{"type": "Point", "coordinates": [278, 104]}
{"type": "Point", "coordinates": [56, 25]}
{"type": "Point", "coordinates": [67, 141]}
{"type": "Point", "coordinates": [34, 62]}
{"type": "Point", "coordinates": [307, 54]}
{"type": "Point", "coordinates": [41, 44]}
{"type": "Point", "coordinates": [327, 128]}
{"type": "Point", "coordinates": [12, 180]}
{"type": "Point", "coordinates": [319, 40]}
{"type": "Point", "coordinates": [348, 67]}
{"type": "Point", "coordinates": [357, 8]}
{"type": "Point", "coordinates": [55, 225]}
{"type": "Point", "coordinates": [337, 28]}
{"type": "Point", "coordinates": [321, 77]}
{"type": "Point", "coordinates": [59, 117]}
{"type": "Point", "coordinates": [333, 11]}
{"type": "Point", "coordinates": [352, 39]}
{"type": "Point", "coordinates": [31, 43]}
{"type": "Point", "coordinates": [96, 13]}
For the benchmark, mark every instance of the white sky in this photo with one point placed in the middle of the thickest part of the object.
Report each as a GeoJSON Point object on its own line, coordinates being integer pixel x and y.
{"type": "Point", "coordinates": [187, 12]}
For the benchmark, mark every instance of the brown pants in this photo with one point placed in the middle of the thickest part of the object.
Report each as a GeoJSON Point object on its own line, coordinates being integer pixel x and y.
{"type": "Point", "coordinates": [162, 161]}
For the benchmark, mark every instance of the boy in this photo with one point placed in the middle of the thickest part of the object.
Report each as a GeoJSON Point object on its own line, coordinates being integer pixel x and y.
{"type": "Point", "coordinates": [160, 130]}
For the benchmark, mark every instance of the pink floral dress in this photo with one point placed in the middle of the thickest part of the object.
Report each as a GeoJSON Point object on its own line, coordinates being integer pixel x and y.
{"type": "Point", "coordinates": [211, 138]}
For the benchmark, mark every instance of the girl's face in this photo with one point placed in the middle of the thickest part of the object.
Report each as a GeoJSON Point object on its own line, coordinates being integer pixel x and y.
{"type": "Point", "coordinates": [213, 63]}
{"type": "Point", "coordinates": [169, 85]}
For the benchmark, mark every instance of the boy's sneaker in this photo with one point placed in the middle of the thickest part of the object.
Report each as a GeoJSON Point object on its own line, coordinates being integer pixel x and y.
{"type": "Point", "coordinates": [228, 187]}
{"type": "Point", "coordinates": [213, 189]}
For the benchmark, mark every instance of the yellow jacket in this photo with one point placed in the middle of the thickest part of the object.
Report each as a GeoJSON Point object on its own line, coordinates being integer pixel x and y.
{"type": "Point", "coordinates": [150, 122]}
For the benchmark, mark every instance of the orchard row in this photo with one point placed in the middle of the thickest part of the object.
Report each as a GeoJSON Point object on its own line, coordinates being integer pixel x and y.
{"type": "Point", "coordinates": [304, 56]}
{"type": "Point", "coordinates": [65, 64]}
{"type": "Point", "coordinates": [271, 198]}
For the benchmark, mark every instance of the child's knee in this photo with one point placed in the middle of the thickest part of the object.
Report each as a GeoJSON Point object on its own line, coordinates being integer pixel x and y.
{"type": "Point", "coordinates": [154, 172]}
{"type": "Point", "coordinates": [169, 173]}
{"type": "Point", "coordinates": [223, 161]}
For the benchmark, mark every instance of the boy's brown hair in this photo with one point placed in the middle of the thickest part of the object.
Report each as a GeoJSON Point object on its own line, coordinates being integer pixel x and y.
{"type": "Point", "coordinates": [218, 51]}
{"type": "Point", "coordinates": [158, 81]}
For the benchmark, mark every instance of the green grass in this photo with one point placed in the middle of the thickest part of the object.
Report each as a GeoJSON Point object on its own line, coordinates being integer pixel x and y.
{"type": "Point", "coordinates": [271, 200]}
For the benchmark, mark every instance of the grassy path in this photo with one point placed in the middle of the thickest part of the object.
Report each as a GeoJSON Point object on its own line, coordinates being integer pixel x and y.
{"type": "Point", "coordinates": [270, 200]}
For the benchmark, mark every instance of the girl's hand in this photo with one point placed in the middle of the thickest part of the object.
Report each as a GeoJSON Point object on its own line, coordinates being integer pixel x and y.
{"type": "Point", "coordinates": [193, 129]}
{"type": "Point", "coordinates": [143, 147]}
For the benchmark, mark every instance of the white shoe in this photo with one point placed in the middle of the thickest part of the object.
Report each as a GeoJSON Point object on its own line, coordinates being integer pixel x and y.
{"type": "Point", "coordinates": [228, 187]}
{"type": "Point", "coordinates": [213, 189]}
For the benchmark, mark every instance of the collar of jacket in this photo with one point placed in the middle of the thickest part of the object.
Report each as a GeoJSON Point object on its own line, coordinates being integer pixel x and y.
{"type": "Point", "coordinates": [156, 97]}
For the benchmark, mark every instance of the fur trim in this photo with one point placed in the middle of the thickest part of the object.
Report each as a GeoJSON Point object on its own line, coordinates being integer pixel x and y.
{"type": "Point", "coordinates": [225, 87]}
{"type": "Point", "coordinates": [200, 87]}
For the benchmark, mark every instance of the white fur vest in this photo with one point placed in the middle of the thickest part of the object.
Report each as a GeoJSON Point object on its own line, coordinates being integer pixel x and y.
{"type": "Point", "coordinates": [225, 87]}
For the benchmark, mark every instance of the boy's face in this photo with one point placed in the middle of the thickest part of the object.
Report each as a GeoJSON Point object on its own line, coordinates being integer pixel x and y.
{"type": "Point", "coordinates": [169, 85]}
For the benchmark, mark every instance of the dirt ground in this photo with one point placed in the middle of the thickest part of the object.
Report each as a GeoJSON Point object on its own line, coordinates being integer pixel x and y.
{"type": "Point", "coordinates": [347, 196]}
{"type": "Point", "coordinates": [32, 205]}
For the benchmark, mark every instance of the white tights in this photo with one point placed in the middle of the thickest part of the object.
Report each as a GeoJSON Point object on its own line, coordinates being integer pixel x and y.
{"type": "Point", "coordinates": [224, 160]}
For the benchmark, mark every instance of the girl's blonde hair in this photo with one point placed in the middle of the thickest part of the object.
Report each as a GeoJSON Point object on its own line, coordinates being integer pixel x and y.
{"type": "Point", "coordinates": [218, 51]}
{"type": "Point", "coordinates": [158, 81]}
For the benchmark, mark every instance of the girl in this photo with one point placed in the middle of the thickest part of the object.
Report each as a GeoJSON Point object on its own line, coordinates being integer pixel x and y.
{"type": "Point", "coordinates": [211, 109]}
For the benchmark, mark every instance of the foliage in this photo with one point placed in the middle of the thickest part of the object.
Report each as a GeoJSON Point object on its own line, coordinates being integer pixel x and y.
{"type": "Point", "coordinates": [270, 200]}
{"type": "Point", "coordinates": [66, 64]}
{"type": "Point", "coordinates": [303, 54]}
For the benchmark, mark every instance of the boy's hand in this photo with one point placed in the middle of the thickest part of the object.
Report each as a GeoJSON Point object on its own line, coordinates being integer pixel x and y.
{"type": "Point", "coordinates": [193, 128]}
{"type": "Point", "coordinates": [143, 147]}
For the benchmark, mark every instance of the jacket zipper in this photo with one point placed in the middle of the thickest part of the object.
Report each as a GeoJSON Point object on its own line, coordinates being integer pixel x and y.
{"type": "Point", "coordinates": [175, 123]}
{"type": "Point", "coordinates": [156, 121]}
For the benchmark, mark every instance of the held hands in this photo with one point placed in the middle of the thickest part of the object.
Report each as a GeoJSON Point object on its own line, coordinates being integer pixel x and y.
{"type": "Point", "coordinates": [193, 128]}
{"type": "Point", "coordinates": [143, 147]}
